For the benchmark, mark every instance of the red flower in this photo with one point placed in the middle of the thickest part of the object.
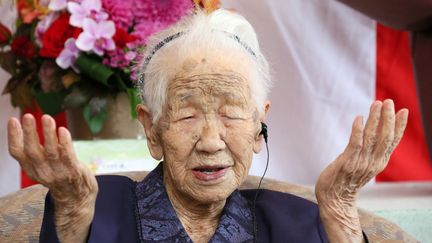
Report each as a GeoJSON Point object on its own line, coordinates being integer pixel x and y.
{"type": "Point", "coordinates": [5, 34]}
{"type": "Point", "coordinates": [122, 37]}
{"type": "Point", "coordinates": [22, 46]}
{"type": "Point", "coordinates": [56, 35]}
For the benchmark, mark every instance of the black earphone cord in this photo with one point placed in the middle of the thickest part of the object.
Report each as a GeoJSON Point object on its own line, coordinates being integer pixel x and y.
{"type": "Point", "coordinates": [255, 227]}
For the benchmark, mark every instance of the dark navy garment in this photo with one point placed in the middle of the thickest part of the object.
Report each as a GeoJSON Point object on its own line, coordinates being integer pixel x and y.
{"type": "Point", "coordinates": [127, 211]}
{"type": "Point", "coordinates": [158, 221]}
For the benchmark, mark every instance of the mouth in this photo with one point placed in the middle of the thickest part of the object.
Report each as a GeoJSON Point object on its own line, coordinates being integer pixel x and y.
{"type": "Point", "coordinates": [209, 173]}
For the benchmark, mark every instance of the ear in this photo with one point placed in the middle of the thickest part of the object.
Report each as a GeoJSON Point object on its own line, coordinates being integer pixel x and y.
{"type": "Point", "coordinates": [259, 137]}
{"type": "Point", "coordinates": [153, 141]}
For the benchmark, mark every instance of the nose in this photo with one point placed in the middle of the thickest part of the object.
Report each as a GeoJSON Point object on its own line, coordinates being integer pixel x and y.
{"type": "Point", "coordinates": [210, 140]}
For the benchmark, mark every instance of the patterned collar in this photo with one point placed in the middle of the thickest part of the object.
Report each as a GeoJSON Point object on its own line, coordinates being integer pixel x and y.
{"type": "Point", "coordinates": [158, 221]}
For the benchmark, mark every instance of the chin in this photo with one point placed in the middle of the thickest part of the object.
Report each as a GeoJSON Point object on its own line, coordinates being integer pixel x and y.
{"type": "Point", "coordinates": [211, 198]}
{"type": "Point", "coordinates": [212, 194]}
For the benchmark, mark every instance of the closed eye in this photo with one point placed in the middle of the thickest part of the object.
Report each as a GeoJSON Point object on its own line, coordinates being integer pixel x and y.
{"type": "Point", "coordinates": [231, 117]}
{"type": "Point", "coordinates": [186, 118]}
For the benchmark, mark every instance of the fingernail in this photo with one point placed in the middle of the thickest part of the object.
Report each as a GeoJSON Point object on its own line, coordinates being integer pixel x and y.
{"type": "Point", "coordinates": [45, 120]}
{"type": "Point", "coordinates": [64, 135]}
{"type": "Point", "coordinates": [389, 102]}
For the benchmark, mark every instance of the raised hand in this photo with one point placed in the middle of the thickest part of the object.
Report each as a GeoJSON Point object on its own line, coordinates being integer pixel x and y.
{"type": "Point", "coordinates": [72, 185]}
{"type": "Point", "coordinates": [366, 155]}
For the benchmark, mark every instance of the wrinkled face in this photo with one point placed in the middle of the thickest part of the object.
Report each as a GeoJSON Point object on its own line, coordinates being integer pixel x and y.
{"type": "Point", "coordinates": [208, 131]}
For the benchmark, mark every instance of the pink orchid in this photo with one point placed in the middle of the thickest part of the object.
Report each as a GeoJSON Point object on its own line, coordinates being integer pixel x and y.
{"type": "Point", "coordinates": [87, 9]}
{"type": "Point", "coordinates": [96, 37]}
{"type": "Point", "coordinates": [68, 55]}
{"type": "Point", "coordinates": [56, 5]}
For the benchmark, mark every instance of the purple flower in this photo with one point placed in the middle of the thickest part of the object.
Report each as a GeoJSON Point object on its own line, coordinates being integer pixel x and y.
{"type": "Point", "coordinates": [153, 16]}
{"type": "Point", "coordinates": [43, 25]}
{"type": "Point", "coordinates": [167, 11]}
{"type": "Point", "coordinates": [146, 28]}
{"type": "Point", "coordinates": [119, 58]}
{"type": "Point", "coordinates": [87, 9]}
{"type": "Point", "coordinates": [96, 37]}
{"type": "Point", "coordinates": [130, 55]}
{"type": "Point", "coordinates": [120, 12]}
{"type": "Point", "coordinates": [68, 55]}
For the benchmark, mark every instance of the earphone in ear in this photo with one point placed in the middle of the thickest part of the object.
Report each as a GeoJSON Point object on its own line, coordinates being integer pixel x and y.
{"type": "Point", "coordinates": [264, 131]}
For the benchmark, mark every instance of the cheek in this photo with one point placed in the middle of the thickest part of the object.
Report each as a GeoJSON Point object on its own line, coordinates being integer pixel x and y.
{"type": "Point", "coordinates": [178, 144]}
{"type": "Point", "coordinates": [180, 138]}
{"type": "Point", "coordinates": [240, 135]}
{"type": "Point", "coordinates": [240, 140]}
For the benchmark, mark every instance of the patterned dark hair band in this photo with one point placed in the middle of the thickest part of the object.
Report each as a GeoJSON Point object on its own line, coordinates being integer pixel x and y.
{"type": "Point", "coordinates": [177, 35]}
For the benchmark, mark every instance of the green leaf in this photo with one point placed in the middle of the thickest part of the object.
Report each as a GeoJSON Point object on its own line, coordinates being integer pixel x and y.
{"type": "Point", "coordinates": [118, 83]}
{"type": "Point", "coordinates": [23, 29]}
{"type": "Point", "coordinates": [95, 114]}
{"type": "Point", "coordinates": [93, 68]}
{"type": "Point", "coordinates": [52, 102]}
{"type": "Point", "coordinates": [134, 100]}
{"type": "Point", "coordinates": [33, 30]}
{"type": "Point", "coordinates": [18, 22]}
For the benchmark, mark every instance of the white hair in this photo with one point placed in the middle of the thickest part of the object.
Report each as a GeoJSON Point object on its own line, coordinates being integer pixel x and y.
{"type": "Point", "coordinates": [222, 32]}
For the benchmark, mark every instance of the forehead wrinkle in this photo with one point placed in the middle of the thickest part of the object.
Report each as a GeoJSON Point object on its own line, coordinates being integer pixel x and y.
{"type": "Point", "coordinates": [231, 85]}
{"type": "Point", "coordinates": [208, 83]}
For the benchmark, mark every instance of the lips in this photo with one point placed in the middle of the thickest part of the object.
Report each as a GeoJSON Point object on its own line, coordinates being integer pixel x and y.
{"type": "Point", "coordinates": [209, 173]}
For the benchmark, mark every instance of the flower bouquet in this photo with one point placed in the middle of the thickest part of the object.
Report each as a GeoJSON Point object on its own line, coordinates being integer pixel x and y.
{"type": "Point", "coordinates": [68, 54]}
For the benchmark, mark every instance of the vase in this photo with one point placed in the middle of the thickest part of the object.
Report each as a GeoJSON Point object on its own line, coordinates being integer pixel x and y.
{"type": "Point", "coordinates": [118, 125]}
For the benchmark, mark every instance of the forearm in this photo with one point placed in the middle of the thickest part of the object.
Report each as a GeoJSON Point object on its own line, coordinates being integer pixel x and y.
{"type": "Point", "coordinates": [341, 223]}
{"type": "Point", "coordinates": [73, 220]}
{"type": "Point", "coordinates": [401, 14]}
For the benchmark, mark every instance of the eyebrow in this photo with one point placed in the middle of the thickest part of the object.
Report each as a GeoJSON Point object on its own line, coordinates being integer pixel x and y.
{"type": "Point", "coordinates": [183, 97]}
{"type": "Point", "coordinates": [234, 98]}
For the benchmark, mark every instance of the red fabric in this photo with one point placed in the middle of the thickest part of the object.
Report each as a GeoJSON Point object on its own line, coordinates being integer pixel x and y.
{"type": "Point", "coordinates": [37, 113]}
{"type": "Point", "coordinates": [395, 80]}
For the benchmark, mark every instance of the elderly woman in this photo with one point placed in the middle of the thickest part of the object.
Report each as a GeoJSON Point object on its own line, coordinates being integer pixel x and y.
{"type": "Point", "coordinates": [205, 84]}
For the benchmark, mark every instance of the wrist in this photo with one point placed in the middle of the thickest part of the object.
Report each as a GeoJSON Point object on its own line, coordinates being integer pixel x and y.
{"type": "Point", "coordinates": [341, 222]}
{"type": "Point", "coordinates": [68, 207]}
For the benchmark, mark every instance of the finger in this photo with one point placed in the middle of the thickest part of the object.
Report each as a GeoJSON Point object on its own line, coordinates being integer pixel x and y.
{"type": "Point", "coordinates": [354, 147]}
{"type": "Point", "coordinates": [356, 138]}
{"type": "Point", "coordinates": [386, 135]}
{"type": "Point", "coordinates": [401, 123]}
{"type": "Point", "coordinates": [369, 135]}
{"type": "Point", "coordinates": [32, 147]}
{"type": "Point", "coordinates": [50, 137]}
{"type": "Point", "coordinates": [66, 149]}
{"type": "Point", "coordinates": [15, 139]}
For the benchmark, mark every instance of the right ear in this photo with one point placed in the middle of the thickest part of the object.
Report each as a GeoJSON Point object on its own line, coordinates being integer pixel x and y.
{"type": "Point", "coordinates": [153, 142]}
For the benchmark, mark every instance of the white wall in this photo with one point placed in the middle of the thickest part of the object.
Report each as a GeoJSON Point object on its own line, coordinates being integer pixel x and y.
{"type": "Point", "coordinates": [9, 170]}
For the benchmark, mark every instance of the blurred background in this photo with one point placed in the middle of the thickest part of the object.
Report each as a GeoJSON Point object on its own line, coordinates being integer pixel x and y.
{"type": "Point", "coordinates": [330, 60]}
